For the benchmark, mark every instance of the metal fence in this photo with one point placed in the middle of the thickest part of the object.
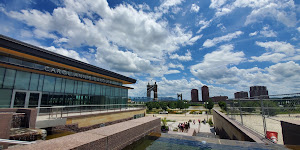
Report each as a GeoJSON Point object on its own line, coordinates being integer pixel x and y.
{"type": "Point", "coordinates": [64, 111]}
{"type": "Point", "coordinates": [264, 113]}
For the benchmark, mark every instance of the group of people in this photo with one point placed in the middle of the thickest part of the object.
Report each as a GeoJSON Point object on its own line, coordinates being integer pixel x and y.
{"type": "Point", "coordinates": [184, 126]}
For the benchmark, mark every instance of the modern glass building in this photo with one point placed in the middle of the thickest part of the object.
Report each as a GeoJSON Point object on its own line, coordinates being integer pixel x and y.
{"type": "Point", "coordinates": [34, 77]}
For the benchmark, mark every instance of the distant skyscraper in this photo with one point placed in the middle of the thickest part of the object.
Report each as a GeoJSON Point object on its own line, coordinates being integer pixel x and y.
{"type": "Point", "coordinates": [256, 91]}
{"type": "Point", "coordinates": [219, 98]}
{"type": "Point", "coordinates": [241, 94]}
{"type": "Point", "coordinates": [205, 93]}
{"type": "Point", "coordinates": [194, 95]}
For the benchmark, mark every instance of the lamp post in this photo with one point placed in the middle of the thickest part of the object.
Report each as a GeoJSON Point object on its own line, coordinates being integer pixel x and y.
{"type": "Point", "coordinates": [206, 103]}
{"type": "Point", "coordinates": [185, 108]}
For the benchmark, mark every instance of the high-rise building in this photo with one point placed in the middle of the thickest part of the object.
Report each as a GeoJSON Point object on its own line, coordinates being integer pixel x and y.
{"type": "Point", "coordinates": [194, 95]}
{"type": "Point", "coordinates": [241, 94]}
{"type": "Point", "coordinates": [205, 93]}
{"type": "Point", "coordinates": [256, 91]}
{"type": "Point", "coordinates": [219, 98]}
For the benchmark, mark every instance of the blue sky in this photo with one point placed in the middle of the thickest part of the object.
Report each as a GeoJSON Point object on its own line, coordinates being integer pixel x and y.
{"type": "Point", "coordinates": [228, 45]}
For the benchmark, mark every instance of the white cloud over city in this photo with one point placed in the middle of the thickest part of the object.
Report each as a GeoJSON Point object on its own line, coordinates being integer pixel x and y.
{"type": "Point", "coordinates": [227, 45]}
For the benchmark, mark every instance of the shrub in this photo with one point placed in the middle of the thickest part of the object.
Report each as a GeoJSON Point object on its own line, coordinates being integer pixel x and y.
{"type": "Point", "coordinates": [164, 126]}
{"type": "Point", "coordinates": [222, 105]}
{"type": "Point", "coordinates": [210, 122]}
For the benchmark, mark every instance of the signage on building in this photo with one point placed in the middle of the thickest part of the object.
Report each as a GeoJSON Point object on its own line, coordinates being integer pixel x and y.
{"type": "Point", "coordinates": [75, 74]}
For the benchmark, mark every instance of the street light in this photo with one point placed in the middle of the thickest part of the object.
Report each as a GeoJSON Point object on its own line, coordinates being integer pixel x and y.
{"type": "Point", "coordinates": [185, 107]}
{"type": "Point", "coordinates": [206, 103]}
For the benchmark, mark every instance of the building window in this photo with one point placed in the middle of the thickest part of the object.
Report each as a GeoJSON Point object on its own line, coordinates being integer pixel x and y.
{"type": "Point", "coordinates": [2, 72]}
{"type": "Point", "coordinates": [69, 86]}
{"type": "Point", "coordinates": [49, 84]}
{"type": "Point", "coordinates": [22, 80]}
{"type": "Point", "coordinates": [5, 98]}
{"type": "Point", "coordinates": [58, 84]}
{"type": "Point", "coordinates": [9, 78]}
{"type": "Point", "coordinates": [34, 82]}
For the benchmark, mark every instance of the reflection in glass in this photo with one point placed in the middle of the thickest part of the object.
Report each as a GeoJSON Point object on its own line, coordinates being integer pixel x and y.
{"type": "Point", "coordinates": [49, 84]}
{"type": "Point", "coordinates": [22, 80]}
{"type": "Point", "coordinates": [2, 72]}
{"type": "Point", "coordinates": [33, 100]}
{"type": "Point", "coordinates": [41, 82]}
{"type": "Point", "coordinates": [58, 84]}
{"type": "Point", "coordinates": [20, 99]}
{"type": "Point", "coordinates": [9, 78]}
{"type": "Point", "coordinates": [5, 98]}
{"type": "Point", "coordinates": [34, 82]}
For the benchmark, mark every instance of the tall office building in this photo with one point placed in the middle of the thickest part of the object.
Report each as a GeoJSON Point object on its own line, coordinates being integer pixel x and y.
{"type": "Point", "coordinates": [194, 95]}
{"type": "Point", "coordinates": [241, 94]}
{"type": "Point", "coordinates": [205, 93]}
{"type": "Point", "coordinates": [219, 98]}
{"type": "Point", "coordinates": [256, 91]}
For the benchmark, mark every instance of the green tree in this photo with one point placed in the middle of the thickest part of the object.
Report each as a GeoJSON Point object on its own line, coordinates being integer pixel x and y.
{"type": "Point", "coordinates": [180, 104]}
{"type": "Point", "coordinates": [222, 105]}
{"type": "Point", "coordinates": [156, 105]}
{"type": "Point", "coordinates": [163, 106]}
{"type": "Point", "coordinates": [272, 108]}
{"type": "Point", "coordinates": [172, 105]}
{"type": "Point", "coordinates": [210, 105]}
{"type": "Point", "coordinates": [186, 105]}
{"type": "Point", "coordinates": [249, 104]}
{"type": "Point", "coordinates": [149, 105]}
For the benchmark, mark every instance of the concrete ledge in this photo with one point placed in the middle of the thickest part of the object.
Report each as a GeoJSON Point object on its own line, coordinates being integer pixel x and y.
{"type": "Point", "coordinates": [113, 137]}
{"type": "Point", "coordinates": [51, 123]}
{"type": "Point", "coordinates": [226, 128]}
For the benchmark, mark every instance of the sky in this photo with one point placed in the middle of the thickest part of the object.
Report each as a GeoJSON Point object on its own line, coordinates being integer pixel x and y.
{"type": "Point", "coordinates": [228, 45]}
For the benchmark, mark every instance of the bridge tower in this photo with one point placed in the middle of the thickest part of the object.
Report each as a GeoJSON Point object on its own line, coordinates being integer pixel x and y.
{"type": "Point", "coordinates": [152, 88]}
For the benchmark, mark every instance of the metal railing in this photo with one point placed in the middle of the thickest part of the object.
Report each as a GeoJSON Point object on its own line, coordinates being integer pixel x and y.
{"type": "Point", "coordinates": [77, 110]}
{"type": "Point", "coordinates": [264, 113]}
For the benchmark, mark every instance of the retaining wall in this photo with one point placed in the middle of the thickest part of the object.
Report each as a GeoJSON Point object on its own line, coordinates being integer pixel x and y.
{"type": "Point", "coordinates": [113, 137]}
{"type": "Point", "coordinates": [92, 119]}
{"type": "Point", "coordinates": [291, 132]}
{"type": "Point", "coordinates": [229, 129]}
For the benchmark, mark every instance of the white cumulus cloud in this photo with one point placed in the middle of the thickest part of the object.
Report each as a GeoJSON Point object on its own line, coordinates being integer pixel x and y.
{"type": "Point", "coordinates": [195, 8]}
{"type": "Point", "coordinates": [186, 57]}
{"type": "Point", "coordinates": [212, 42]}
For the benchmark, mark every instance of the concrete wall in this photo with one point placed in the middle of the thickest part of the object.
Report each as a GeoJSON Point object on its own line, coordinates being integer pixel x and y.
{"type": "Point", "coordinates": [30, 115]}
{"type": "Point", "coordinates": [5, 125]}
{"type": "Point", "coordinates": [291, 132]}
{"type": "Point", "coordinates": [229, 129]}
{"type": "Point", "coordinates": [93, 119]}
{"type": "Point", "coordinates": [113, 137]}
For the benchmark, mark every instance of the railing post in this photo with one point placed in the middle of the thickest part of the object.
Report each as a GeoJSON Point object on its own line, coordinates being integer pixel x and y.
{"type": "Point", "coordinates": [263, 116]}
{"type": "Point", "coordinates": [49, 112]}
{"type": "Point", "coordinates": [240, 111]}
{"type": "Point", "coordinates": [232, 110]}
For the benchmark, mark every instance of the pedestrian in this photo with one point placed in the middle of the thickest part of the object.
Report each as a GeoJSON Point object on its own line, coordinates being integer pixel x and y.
{"type": "Point", "coordinates": [194, 121]}
{"type": "Point", "coordinates": [186, 127]}
{"type": "Point", "coordinates": [199, 121]}
{"type": "Point", "coordinates": [188, 124]}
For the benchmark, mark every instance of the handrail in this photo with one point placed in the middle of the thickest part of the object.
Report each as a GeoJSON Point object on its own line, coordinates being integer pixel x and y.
{"type": "Point", "coordinates": [92, 105]}
{"type": "Point", "coordinates": [65, 111]}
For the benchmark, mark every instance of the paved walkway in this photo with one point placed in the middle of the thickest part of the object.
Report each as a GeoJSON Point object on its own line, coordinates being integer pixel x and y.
{"type": "Point", "coordinates": [181, 118]}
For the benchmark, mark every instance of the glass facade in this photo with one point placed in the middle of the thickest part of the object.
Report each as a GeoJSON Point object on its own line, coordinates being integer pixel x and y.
{"type": "Point", "coordinates": [57, 91]}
